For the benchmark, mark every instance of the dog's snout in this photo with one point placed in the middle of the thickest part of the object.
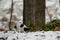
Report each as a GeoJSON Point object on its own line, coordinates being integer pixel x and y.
{"type": "Point", "coordinates": [26, 29]}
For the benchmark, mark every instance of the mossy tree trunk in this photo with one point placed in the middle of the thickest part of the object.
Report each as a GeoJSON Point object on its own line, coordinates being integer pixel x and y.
{"type": "Point", "coordinates": [34, 13]}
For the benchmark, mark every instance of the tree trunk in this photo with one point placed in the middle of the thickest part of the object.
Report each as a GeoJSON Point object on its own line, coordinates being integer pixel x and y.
{"type": "Point", "coordinates": [40, 14]}
{"type": "Point", "coordinates": [34, 13]}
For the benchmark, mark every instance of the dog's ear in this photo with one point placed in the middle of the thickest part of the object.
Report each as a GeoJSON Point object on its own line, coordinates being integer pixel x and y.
{"type": "Point", "coordinates": [21, 25]}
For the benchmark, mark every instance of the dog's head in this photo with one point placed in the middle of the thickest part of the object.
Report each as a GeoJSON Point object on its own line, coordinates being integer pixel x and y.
{"type": "Point", "coordinates": [22, 28]}
{"type": "Point", "coordinates": [25, 28]}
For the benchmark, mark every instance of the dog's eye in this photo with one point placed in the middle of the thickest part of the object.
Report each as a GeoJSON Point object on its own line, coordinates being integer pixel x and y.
{"type": "Point", "coordinates": [15, 27]}
{"type": "Point", "coordinates": [21, 25]}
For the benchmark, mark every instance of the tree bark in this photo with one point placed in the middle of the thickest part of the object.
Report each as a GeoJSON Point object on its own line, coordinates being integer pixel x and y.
{"type": "Point", "coordinates": [40, 14]}
{"type": "Point", "coordinates": [34, 13]}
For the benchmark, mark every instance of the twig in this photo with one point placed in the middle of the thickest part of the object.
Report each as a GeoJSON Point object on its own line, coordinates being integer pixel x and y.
{"type": "Point", "coordinates": [11, 15]}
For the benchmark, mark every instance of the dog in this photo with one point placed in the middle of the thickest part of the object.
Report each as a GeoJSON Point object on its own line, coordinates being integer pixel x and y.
{"type": "Point", "coordinates": [21, 28]}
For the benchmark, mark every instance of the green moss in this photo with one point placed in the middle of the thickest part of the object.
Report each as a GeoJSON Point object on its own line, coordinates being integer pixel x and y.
{"type": "Point", "coordinates": [32, 27]}
{"type": "Point", "coordinates": [46, 27]}
{"type": "Point", "coordinates": [51, 25]}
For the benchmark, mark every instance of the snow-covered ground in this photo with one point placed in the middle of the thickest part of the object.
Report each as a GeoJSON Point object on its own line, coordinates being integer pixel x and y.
{"type": "Point", "coordinates": [39, 35]}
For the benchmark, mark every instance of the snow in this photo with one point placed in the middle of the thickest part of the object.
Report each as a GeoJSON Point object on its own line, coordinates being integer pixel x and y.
{"type": "Point", "coordinates": [39, 35]}
{"type": "Point", "coordinates": [5, 5]}
{"type": "Point", "coordinates": [52, 5]}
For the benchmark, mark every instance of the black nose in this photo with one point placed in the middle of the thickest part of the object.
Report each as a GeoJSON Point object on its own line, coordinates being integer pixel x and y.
{"type": "Point", "coordinates": [21, 25]}
{"type": "Point", "coordinates": [26, 29]}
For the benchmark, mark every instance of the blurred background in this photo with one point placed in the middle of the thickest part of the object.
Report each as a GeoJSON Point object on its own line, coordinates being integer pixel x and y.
{"type": "Point", "coordinates": [10, 8]}
{"type": "Point", "coordinates": [52, 12]}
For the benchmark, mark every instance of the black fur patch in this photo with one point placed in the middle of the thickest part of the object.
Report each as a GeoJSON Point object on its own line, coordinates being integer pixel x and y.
{"type": "Point", "coordinates": [26, 29]}
{"type": "Point", "coordinates": [13, 39]}
{"type": "Point", "coordinates": [15, 27]}
{"type": "Point", "coordinates": [21, 25]}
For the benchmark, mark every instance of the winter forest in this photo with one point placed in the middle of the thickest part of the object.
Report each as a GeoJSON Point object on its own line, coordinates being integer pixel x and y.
{"type": "Point", "coordinates": [29, 19]}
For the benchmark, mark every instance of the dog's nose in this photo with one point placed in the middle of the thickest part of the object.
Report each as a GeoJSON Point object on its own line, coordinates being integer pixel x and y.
{"type": "Point", "coordinates": [26, 29]}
